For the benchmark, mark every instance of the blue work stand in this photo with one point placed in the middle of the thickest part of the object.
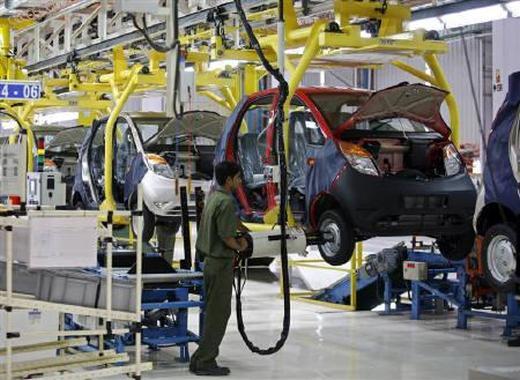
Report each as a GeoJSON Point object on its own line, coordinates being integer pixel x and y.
{"type": "Point", "coordinates": [453, 291]}
{"type": "Point", "coordinates": [173, 332]}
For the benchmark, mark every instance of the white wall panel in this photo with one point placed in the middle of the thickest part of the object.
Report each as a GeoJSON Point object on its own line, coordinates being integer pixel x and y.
{"type": "Point", "coordinates": [506, 53]}
{"type": "Point", "coordinates": [340, 78]}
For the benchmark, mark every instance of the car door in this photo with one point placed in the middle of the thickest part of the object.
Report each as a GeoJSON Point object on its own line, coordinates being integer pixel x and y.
{"type": "Point", "coordinates": [255, 150]}
{"type": "Point", "coordinates": [125, 151]}
{"type": "Point", "coordinates": [95, 162]}
{"type": "Point", "coordinates": [306, 139]}
{"type": "Point", "coordinates": [514, 148]}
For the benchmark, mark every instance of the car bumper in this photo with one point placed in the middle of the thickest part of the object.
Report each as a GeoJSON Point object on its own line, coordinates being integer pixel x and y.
{"type": "Point", "coordinates": [390, 206]}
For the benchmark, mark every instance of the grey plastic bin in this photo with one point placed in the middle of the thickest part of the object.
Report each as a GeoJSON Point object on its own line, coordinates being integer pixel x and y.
{"type": "Point", "coordinates": [82, 288]}
{"type": "Point", "coordinates": [24, 280]}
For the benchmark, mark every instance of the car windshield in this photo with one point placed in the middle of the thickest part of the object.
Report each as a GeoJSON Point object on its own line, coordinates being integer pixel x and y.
{"type": "Point", "coordinates": [395, 124]}
{"type": "Point", "coordinates": [336, 107]}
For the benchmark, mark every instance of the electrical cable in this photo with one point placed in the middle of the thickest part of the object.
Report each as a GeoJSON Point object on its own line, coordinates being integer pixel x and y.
{"type": "Point", "coordinates": [151, 42]}
{"type": "Point", "coordinates": [283, 88]}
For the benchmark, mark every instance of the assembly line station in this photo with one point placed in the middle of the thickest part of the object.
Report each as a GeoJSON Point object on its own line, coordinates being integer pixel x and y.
{"type": "Point", "coordinates": [377, 145]}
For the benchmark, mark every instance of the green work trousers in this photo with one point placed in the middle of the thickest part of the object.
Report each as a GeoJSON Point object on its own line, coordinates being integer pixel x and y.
{"type": "Point", "coordinates": [218, 285]}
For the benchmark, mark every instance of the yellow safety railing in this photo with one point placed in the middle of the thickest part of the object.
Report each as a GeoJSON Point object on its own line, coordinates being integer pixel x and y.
{"type": "Point", "coordinates": [307, 296]}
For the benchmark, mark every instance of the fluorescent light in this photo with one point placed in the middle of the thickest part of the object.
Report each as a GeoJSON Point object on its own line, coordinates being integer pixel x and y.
{"type": "Point", "coordinates": [474, 16]}
{"type": "Point", "coordinates": [430, 23]}
{"type": "Point", "coordinates": [58, 117]}
{"type": "Point", "coordinates": [514, 8]}
{"type": "Point", "coordinates": [223, 64]}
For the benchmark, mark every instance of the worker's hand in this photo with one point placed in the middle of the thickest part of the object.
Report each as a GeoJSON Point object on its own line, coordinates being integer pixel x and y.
{"type": "Point", "coordinates": [242, 243]}
{"type": "Point", "coordinates": [243, 228]}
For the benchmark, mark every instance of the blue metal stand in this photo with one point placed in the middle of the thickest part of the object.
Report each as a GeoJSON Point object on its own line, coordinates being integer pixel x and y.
{"type": "Point", "coordinates": [392, 294]}
{"type": "Point", "coordinates": [454, 292]}
{"type": "Point", "coordinates": [174, 331]}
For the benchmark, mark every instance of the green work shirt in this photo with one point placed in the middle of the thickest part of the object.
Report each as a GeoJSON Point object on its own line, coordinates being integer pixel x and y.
{"type": "Point", "coordinates": [219, 221]}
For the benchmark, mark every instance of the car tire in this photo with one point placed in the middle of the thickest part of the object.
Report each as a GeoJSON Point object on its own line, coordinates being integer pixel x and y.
{"type": "Point", "coordinates": [456, 247]}
{"type": "Point", "coordinates": [500, 257]}
{"type": "Point", "coordinates": [148, 221]}
{"type": "Point", "coordinates": [339, 235]}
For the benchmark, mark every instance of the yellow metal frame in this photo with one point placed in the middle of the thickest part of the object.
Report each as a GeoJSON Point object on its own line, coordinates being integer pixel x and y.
{"type": "Point", "coordinates": [30, 135]}
{"type": "Point", "coordinates": [355, 264]}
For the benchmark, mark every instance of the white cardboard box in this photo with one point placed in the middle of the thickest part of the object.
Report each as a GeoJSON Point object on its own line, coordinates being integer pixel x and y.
{"type": "Point", "coordinates": [415, 271]}
{"type": "Point", "coordinates": [64, 240]}
{"type": "Point", "coordinates": [26, 322]}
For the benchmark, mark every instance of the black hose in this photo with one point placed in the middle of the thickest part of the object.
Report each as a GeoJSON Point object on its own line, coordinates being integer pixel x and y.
{"type": "Point", "coordinates": [280, 117]}
{"type": "Point", "coordinates": [151, 42]}
{"type": "Point", "coordinates": [165, 49]}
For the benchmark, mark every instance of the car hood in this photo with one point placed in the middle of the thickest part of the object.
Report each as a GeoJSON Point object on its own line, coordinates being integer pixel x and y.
{"type": "Point", "coordinates": [196, 123]}
{"type": "Point", "coordinates": [69, 137]}
{"type": "Point", "coordinates": [413, 101]}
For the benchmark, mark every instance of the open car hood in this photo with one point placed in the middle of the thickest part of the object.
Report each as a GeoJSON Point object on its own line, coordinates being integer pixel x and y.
{"type": "Point", "coordinates": [413, 101]}
{"type": "Point", "coordinates": [196, 123]}
{"type": "Point", "coordinates": [68, 137]}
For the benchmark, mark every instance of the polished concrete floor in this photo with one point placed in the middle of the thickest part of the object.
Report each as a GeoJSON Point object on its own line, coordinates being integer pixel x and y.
{"type": "Point", "coordinates": [330, 344]}
{"type": "Point", "coordinates": [325, 343]}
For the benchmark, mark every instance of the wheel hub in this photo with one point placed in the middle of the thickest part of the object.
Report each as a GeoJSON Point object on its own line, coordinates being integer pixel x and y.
{"type": "Point", "coordinates": [332, 235]}
{"type": "Point", "coordinates": [501, 258]}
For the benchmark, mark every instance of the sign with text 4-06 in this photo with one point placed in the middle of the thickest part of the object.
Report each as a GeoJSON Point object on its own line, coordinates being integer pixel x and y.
{"type": "Point", "coordinates": [20, 89]}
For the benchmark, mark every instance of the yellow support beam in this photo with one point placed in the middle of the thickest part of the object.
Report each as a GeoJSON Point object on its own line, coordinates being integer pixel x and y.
{"type": "Point", "coordinates": [228, 95]}
{"type": "Point", "coordinates": [435, 67]}
{"type": "Point", "coordinates": [109, 202]}
{"type": "Point", "coordinates": [415, 72]}
{"type": "Point", "coordinates": [217, 99]}
{"type": "Point", "coordinates": [26, 126]}
{"type": "Point", "coordinates": [392, 16]}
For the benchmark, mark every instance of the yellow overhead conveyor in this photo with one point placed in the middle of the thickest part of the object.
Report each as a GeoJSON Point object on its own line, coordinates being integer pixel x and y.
{"type": "Point", "coordinates": [325, 43]}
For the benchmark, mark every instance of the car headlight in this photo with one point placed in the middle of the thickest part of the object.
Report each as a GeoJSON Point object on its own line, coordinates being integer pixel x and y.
{"type": "Point", "coordinates": [452, 162]}
{"type": "Point", "coordinates": [160, 166]}
{"type": "Point", "coordinates": [359, 158]}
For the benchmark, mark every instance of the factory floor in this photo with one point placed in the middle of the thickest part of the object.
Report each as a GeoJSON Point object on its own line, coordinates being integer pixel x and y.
{"type": "Point", "coordinates": [325, 343]}
{"type": "Point", "coordinates": [330, 344]}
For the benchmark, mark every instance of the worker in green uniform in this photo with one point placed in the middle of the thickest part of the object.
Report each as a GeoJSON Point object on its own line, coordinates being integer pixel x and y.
{"type": "Point", "coordinates": [218, 245]}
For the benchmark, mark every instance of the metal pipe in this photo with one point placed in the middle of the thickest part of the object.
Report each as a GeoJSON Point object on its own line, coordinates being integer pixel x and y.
{"type": "Point", "coordinates": [5, 37]}
{"type": "Point", "coordinates": [228, 95]}
{"type": "Point", "coordinates": [109, 202]}
{"type": "Point", "coordinates": [415, 72]}
{"type": "Point", "coordinates": [9, 291]}
{"type": "Point", "coordinates": [311, 49]}
{"type": "Point", "coordinates": [433, 64]}
{"type": "Point", "coordinates": [221, 101]}
{"type": "Point", "coordinates": [138, 278]}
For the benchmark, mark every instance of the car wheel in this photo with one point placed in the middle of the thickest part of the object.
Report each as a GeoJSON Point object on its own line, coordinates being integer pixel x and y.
{"type": "Point", "coordinates": [499, 257]}
{"type": "Point", "coordinates": [148, 224]}
{"type": "Point", "coordinates": [338, 238]}
{"type": "Point", "coordinates": [456, 247]}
